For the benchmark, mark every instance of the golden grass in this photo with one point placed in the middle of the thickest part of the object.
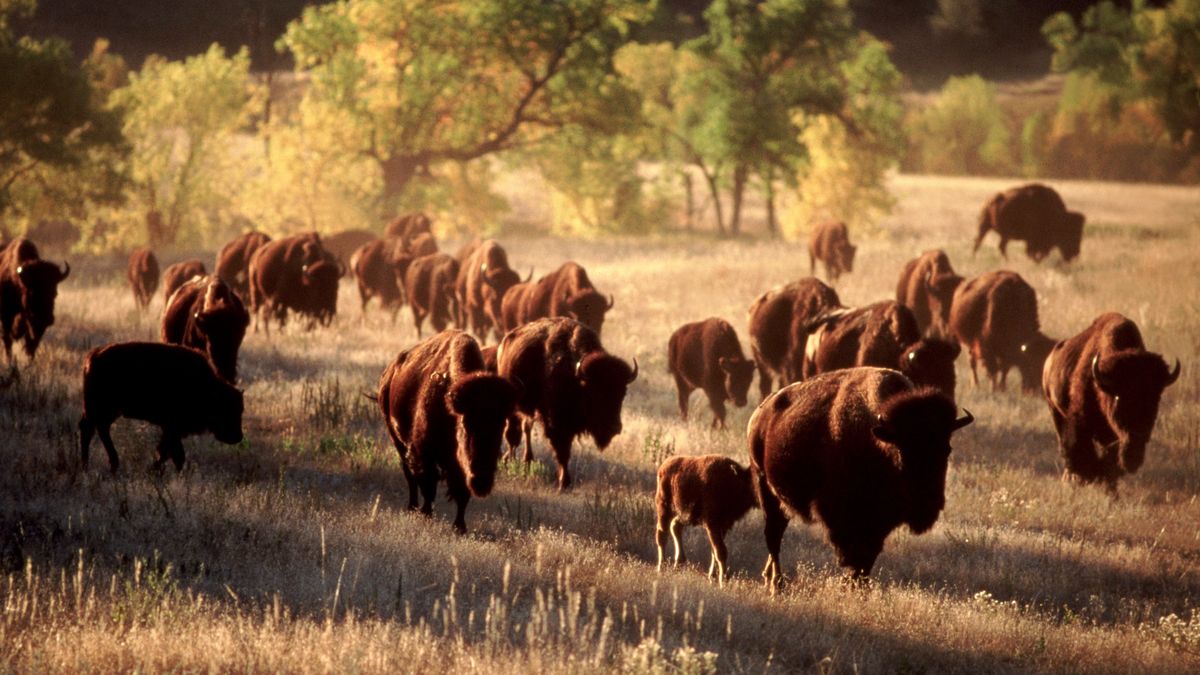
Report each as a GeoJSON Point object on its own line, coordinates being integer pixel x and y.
{"type": "Point", "coordinates": [293, 551]}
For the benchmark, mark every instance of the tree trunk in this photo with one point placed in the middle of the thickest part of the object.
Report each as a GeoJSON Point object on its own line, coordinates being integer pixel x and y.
{"type": "Point", "coordinates": [689, 192]}
{"type": "Point", "coordinates": [740, 173]}
{"type": "Point", "coordinates": [772, 222]}
{"type": "Point", "coordinates": [711, 179]}
{"type": "Point", "coordinates": [398, 171]}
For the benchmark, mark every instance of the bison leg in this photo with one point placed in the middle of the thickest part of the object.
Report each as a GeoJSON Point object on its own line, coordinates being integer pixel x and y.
{"type": "Point", "coordinates": [684, 391]}
{"type": "Point", "coordinates": [170, 446]}
{"type": "Point", "coordinates": [456, 485]}
{"type": "Point", "coordinates": [418, 318]}
{"type": "Point", "coordinates": [676, 528]}
{"type": "Point", "coordinates": [764, 376]}
{"type": "Point", "coordinates": [1078, 450]}
{"type": "Point", "coordinates": [561, 445]}
{"type": "Point", "coordinates": [660, 532]}
{"type": "Point", "coordinates": [716, 539]}
{"type": "Point", "coordinates": [428, 485]}
{"type": "Point", "coordinates": [106, 439]}
{"type": "Point", "coordinates": [717, 403]}
{"type": "Point", "coordinates": [527, 427]}
{"type": "Point", "coordinates": [1004, 246]}
{"type": "Point", "coordinates": [775, 522]}
{"type": "Point", "coordinates": [86, 429]}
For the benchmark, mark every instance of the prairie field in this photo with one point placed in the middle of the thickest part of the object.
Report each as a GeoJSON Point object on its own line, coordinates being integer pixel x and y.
{"type": "Point", "coordinates": [293, 551]}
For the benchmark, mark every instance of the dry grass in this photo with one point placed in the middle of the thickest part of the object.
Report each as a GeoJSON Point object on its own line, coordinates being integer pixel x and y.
{"type": "Point", "coordinates": [293, 552]}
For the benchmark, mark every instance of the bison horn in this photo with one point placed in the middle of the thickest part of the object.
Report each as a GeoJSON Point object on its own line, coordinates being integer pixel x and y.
{"type": "Point", "coordinates": [530, 277]}
{"type": "Point", "coordinates": [610, 301]}
{"type": "Point", "coordinates": [1101, 382]}
{"type": "Point", "coordinates": [579, 368]}
{"type": "Point", "coordinates": [963, 421]}
{"type": "Point", "coordinates": [912, 356]}
{"type": "Point", "coordinates": [483, 268]}
{"type": "Point", "coordinates": [1174, 374]}
{"type": "Point", "coordinates": [304, 270]}
{"type": "Point", "coordinates": [65, 272]}
{"type": "Point", "coordinates": [20, 270]}
{"type": "Point", "coordinates": [634, 374]}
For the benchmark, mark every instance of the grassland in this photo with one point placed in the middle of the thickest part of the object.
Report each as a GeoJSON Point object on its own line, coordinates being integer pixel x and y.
{"type": "Point", "coordinates": [293, 551]}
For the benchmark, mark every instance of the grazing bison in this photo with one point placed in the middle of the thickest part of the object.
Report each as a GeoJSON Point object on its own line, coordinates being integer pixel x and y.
{"type": "Point", "coordinates": [830, 243]}
{"type": "Point", "coordinates": [710, 490]}
{"type": "Point", "coordinates": [1104, 389]}
{"type": "Point", "coordinates": [172, 387]}
{"type": "Point", "coordinates": [429, 284]}
{"type": "Point", "coordinates": [175, 275]}
{"type": "Point", "coordinates": [568, 382]}
{"type": "Point", "coordinates": [1035, 214]}
{"type": "Point", "coordinates": [864, 447]}
{"type": "Point", "coordinates": [566, 291]}
{"type": "Point", "coordinates": [483, 279]}
{"type": "Point", "coordinates": [926, 287]}
{"type": "Point", "coordinates": [884, 335]}
{"type": "Point", "coordinates": [233, 261]}
{"type": "Point", "coordinates": [143, 275]}
{"type": "Point", "coordinates": [379, 269]}
{"type": "Point", "coordinates": [778, 329]}
{"type": "Point", "coordinates": [995, 318]}
{"type": "Point", "coordinates": [707, 355]}
{"type": "Point", "coordinates": [342, 245]}
{"type": "Point", "coordinates": [206, 315]}
{"type": "Point", "coordinates": [433, 395]}
{"type": "Point", "coordinates": [28, 289]}
{"type": "Point", "coordinates": [294, 273]}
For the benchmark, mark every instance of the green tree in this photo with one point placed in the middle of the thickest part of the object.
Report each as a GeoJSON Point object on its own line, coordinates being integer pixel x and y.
{"type": "Point", "coordinates": [964, 130]}
{"type": "Point", "coordinates": [426, 82]}
{"type": "Point", "coordinates": [181, 118]}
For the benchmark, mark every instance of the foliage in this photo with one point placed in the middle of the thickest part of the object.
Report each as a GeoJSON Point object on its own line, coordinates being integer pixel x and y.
{"type": "Point", "coordinates": [963, 131]}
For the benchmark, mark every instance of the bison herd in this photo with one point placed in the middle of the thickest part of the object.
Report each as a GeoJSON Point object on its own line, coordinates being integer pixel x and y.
{"type": "Point", "coordinates": [857, 409]}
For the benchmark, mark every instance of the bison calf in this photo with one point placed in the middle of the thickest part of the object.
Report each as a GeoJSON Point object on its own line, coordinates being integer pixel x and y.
{"type": "Point", "coordinates": [143, 275]}
{"type": "Point", "coordinates": [706, 355]}
{"type": "Point", "coordinates": [172, 387]}
{"type": "Point", "coordinates": [830, 243]}
{"type": "Point", "coordinates": [710, 490]}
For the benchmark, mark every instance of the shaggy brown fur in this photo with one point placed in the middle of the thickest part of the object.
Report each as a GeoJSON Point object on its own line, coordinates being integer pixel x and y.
{"type": "Point", "coordinates": [483, 279]}
{"type": "Point", "coordinates": [779, 322]}
{"type": "Point", "coordinates": [143, 275]}
{"type": "Point", "coordinates": [566, 291]}
{"type": "Point", "coordinates": [926, 287]}
{"type": "Point", "coordinates": [206, 315]}
{"type": "Point", "coordinates": [233, 261]}
{"type": "Point", "coordinates": [1035, 214]}
{"type": "Point", "coordinates": [297, 274]}
{"type": "Point", "coordinates": [712, 491]}
{"type": "Point", "coordinates": [995, 318]}
{"type": "Point", "coordinates": [179, 273]}
{"type": "Point", "coordinates": [707, 355]}
{"type": "Point", "coordinates": [429, 285]}
{"type": "Point", "coordinates": [28, 289]}
{"type": "Point", "coordinates": [830, 243]}
{"type": "Point", "coordinates": [379, 267]}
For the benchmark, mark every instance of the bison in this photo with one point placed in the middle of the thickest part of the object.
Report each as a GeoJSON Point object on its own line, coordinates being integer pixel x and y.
{"type": "Point", "coordinates": [445, 415]}
{"type": "Point", "coordinates": [172, 387]}
{"type": "Point", "coordinates": [514, 304]}
{"type": "Point", "coordinates": [379, 269]}
{"type": "Point", "coordinates": [863, 447]}
{"type": "Point", "coordinates": [28, 289]}
{"type": "Point", "coordinates": [1035, 214]}
{"type": "Point", "coordinates": [1104, 389]}
{"type": "Point", "coordinates": [483, 279]}
{"type": "Point", "coordinates": [233, 261]}
{"type": "Point", "coordinates": [143, 275]}
{"type": "Point", "coordinates": [830, 243]}
{"type": "Point", "coordinates": [421, 245]}
{"type": "Point", "coordinates": [408, 227]}
{"type": "Point", "coordinates": [566, 291]}
{"type": "Point", "coordinates": [429, 284]}
{"type": "Point", "coordinates": [710, 490]}
{"type": "Point", "coordinates": [294, 273]}
{"type": "Point", "coordinates": [176, 274]}
{"type": "Point", "coordinates": [926, 287]}
{"type": "Point", "coordinates": [206, 315]}
{"type": "Point", "coordinates": [885, 335]}
{"type": "Point", "coordinates": [342, 245]}
{"type": "Point", "coordinates": [778, 323]}
{"type": "Point", "coordinates": [568, 382]}
{"type": "Point", "coordinates": [995, 318]}
{"type": "Point", "coordinates": [706, 355]}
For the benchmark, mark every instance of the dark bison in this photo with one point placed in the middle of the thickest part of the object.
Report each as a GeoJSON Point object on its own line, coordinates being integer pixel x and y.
{"type": "Point", "coordinates": [926, 287]}
{"type": "Point", "coordinates": [28, 289]}
{"type": "Point", "coordinates": [710, 490]}
{"type": "Point", "coordinates": [342, 245]}
{"type": "Point", "coordinates": [884, 335]}
{"type": "Point", "coordinates": [295, 274]}
{"type": "Point", "coordinates": [995, 318]}
{"type": "Point", "coordinates": [778, 329]}
{"type": "Point", "coordinates": [865, 448]}
{"type": "Point", "coordinates": [568, 382]}
{"type": "Point", "coordinates": [233, 261]}
{"type": "Point", "coordinates": [206, 315]}
{"type": "Point", "coordinates": [1035, 214]}
{"type": "Point", "coordinates": [379, 267]}
{"type": "Point", "coordinates": [1104, 389]}
{"type": "Point", "coordinates": [707, 355]}
{"type": "Point", "coordinates": [830, 243]}
{"type": "Point", "coordinates": [429, 285]}
{"type": "Point", "coordinates": [566, 291]}
{"type": "Point", "coordinates": [433, 395]}
{"type": "Point", "coordinates": [172, 387]}
{"type": "Point", "coordinates": [514, 304]}
{"type": "Point", "coordinates": [175, 275]}
{"type": "Point", "coordinates": [143, 275]}
{"type": "Point", "coordinates": [483, 279]}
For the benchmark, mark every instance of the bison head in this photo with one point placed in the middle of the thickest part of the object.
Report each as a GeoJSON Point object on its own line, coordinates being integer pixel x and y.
{"type": "Point", "coordinates": [919, 423]}
{"type": "Point", "coordinates": [1072, 235]}
{"type": "Point", "coordinates": [588, 308]}
{"type": "Point", "coordinates": [320, 281]}
{"type": "Point", "coordinates": [483, 403]}
{"type": "Point", "coordinates": [225, 412]}
{"type": "Point", "coordinates": [603, 379]}
{"type": "Point", "coordinates": [930, 362]}
{"type": "Point", "coordinates": [496, 284]}
{"type": "Point", "coordinates": [940, 291]}
{"type": "Point", "coordinates": [738, 374]}
{"type": "Point", "coordinates": [39, 289]}
{"type": "Point", "coordinates": [1032, 360]}
{"type": "Point", "coordinates": [1133, 381]}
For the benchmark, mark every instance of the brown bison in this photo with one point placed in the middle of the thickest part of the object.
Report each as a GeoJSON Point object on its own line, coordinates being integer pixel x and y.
{"type": "Point", "coordinates": [568, 382]}
{"type": "Point", "coordinates": [926, 287]}
{"type": "Point", "coordinates": [175, 275]}
{"type": "Point", "coordinates": [206, 315]}
{"type": "Point", "coordinates": [172, 387]}
{"type": "Point", "coordinates": [566, 291]}
{"type": "Point", "coordinates": [830, 243]}
{"type": "Point", "coordinates": [295, 274]}
{"type": "Point", "coordinates": [429, 285]}
{"type": "Point", "coordinates": [233, 261]}
{"type": "Point", "coordinates": [1035, 214]}
{"type": "Point", "coordinates": [707, 355]}
{"type": "Point", "coordinates": [778, 329]}
{"type": "Point", "coordinates": [28, 289]}
{"type": "Point", "coordinates": [421, 245]}
{"type": "Point", "coordinates": [408, 227]}
{"type": "Point", "coordinates": [483, 279]}
{"type": "Point", "coordinates": [710, 490]}
{"type": "Point", "coordinates": [342, 245]}
{"type": "Point", "coordinates": [995, 318]}
{"type": "Point", "coordinates": [1104, 389]}
{"type": "Point", "coordinates": [379, 268]}
{"type": "Point", "coordinates": [143, 275]}
{"type": "Point", "coordinates": [884, 335]}
{"type": "Point", "coordinates": [514, 304]}
{"type": "Point", "coordinates": [433, 395]}
{"type": "Point", "coordinates": [864, 447]}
